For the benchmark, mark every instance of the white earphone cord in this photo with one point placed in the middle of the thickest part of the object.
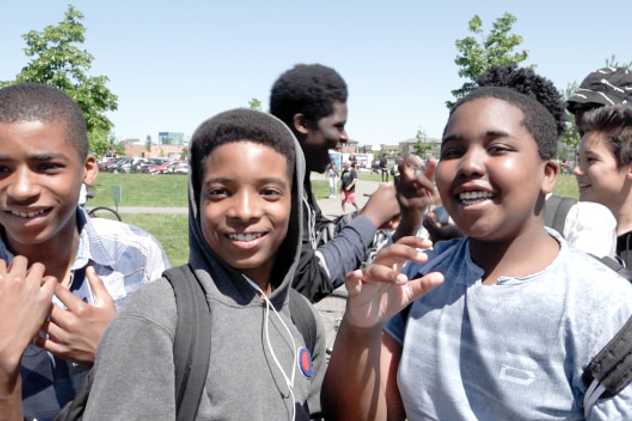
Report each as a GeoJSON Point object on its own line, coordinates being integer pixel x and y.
{"type": "Point", "coordinates": [289, 380]}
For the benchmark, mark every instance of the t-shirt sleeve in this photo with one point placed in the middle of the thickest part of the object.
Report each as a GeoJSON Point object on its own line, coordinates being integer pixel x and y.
{"type": "Point", "coordinates": [591, 228]}
{"type": "Point", "coordinates": [396, 327]}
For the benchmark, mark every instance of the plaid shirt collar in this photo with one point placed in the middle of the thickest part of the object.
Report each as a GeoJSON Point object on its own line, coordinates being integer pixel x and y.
{"type": "Point", "coordinates": [91, 248]}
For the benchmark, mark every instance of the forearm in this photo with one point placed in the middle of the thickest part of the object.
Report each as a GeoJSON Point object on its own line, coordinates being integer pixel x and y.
{"type": "Point", "coordinates": [11, 396]}
{"type": "Point", "coordinates": [347, 250]}
{"type": "Point", "coordinates": [355, 384]}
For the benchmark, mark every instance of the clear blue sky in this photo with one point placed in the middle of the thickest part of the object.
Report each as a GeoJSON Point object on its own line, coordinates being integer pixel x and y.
{"type": "Point", "coordinates": [173, 64]}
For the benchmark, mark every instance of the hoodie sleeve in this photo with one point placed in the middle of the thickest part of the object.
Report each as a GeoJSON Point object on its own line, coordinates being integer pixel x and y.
{"type": "Point", "coordinates": [322, 270]}
{"type": "Point", "coordinates": [134, 369]}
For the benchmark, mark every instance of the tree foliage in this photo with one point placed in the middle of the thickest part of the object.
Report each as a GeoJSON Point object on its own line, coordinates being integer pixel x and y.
{"type": "Point", "coordinates": [479, 52]}
{"type": "Point", "coordinates": [422, 147]}
{"type": "Point", "coordinates": [57, 58]}
{"type": "Point", "coordinates": [613, 62]}
{"type": "Point", "coordinates": [255, 104]}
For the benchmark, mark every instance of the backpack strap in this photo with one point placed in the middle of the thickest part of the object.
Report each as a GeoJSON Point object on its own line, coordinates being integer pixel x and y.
{"type": "Point", "coordinates": [555, 210]}
{"type": "Point", "coordinates": [302, 315]}
{"type": "Point", "coordinates": [611, 369]}
{"type": "Point", "coordinates": [192, 344]}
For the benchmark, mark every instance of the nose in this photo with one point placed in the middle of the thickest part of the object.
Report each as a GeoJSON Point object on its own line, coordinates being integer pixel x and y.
{"type": "Point", "coordinates": [473, 162]}
{"type": "Point", "coordinates": [245, 207]}
{"type": "Point", "coordinates": [577, 171]}
{"type": "Point", "coordinates": [344, 137]}
{"type": "Point", "coordinates": [23, 187]}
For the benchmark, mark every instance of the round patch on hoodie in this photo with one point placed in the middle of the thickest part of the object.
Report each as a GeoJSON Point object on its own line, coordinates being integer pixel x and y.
{"type": "Point", "coordinates": [304, 361]}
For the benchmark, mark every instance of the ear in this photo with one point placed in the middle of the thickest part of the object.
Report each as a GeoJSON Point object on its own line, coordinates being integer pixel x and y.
{"type": "Point", "coordinates": [628, 171]}
{"type": "Point", "coordinates": [91, 169]}
{"type": "Point", "coordinates": [300, 124]}
{"type": "Point", "coordinates": [551, 170]}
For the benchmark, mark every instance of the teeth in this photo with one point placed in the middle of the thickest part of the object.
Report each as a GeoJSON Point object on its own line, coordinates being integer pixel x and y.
{"type": "Point", "coordinates": [244, 237]}
{"type": "Point", "coordinates": [475, 195]}
{"type": "Point", "coordinates": [28, 214]}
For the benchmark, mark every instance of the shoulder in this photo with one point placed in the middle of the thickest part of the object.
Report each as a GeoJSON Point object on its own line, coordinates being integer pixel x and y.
{"type": "Point", "coordinates": [155, 303]}
{"type": "Point", "coordinates": [127, 243]}
{"type": "Point", "coordinates": [591, 213]}
{"type": "Point", "coordinates": [595, 289]}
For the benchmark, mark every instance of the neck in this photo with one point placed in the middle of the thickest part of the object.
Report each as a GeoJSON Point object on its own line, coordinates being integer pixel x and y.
{"type": "Point", "coordinates": [515, 257]}
{"type": "Point", "coordinates": [624, 213]}
{"type": "Point", "coordinates": [56, 254]}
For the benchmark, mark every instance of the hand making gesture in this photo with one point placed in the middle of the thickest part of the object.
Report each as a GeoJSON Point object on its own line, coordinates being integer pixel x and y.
{"type": "Point", "coordinates": [74, 333]}
{"type": "Point", "coordinates": [380, 291]}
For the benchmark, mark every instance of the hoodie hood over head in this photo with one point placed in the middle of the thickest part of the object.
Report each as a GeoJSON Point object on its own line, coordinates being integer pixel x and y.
{"type": "Point", "coordinates": [225, 128]}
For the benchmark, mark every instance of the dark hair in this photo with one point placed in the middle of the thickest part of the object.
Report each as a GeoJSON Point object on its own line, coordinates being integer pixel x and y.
{"type": "Point", "coordinates": [236, 125]}
{"type": "Point", "coordinates": [37, 102]}
{"type": "Point", "coordinates": [308, 89]}
{"type": "Point", "coordinates": [534, 95]}
{"type": "Point", "coordinates": [615, 121]}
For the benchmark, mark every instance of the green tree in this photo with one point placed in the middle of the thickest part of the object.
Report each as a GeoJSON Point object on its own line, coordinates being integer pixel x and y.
{"type": "Point", "coordinates": [255, 104]}
{"type": "Point", "coordinates": [57, 58]}
{"type": "Point", "coordinates": [148, 144]}
{"type": "Point", "coordinates": [570, 137]}
{"type": "Point", "coordinates": [479, 52]}
{"type": "Point", "coordinates": [422, 147]}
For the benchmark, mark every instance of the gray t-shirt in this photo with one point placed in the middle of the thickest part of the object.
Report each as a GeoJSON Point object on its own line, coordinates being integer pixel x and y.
{"type": "Point", "coordinates": [510, 351]}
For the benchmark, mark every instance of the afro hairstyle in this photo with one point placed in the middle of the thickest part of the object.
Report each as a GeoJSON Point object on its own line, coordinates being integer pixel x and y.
{"type": "Point", "coordinates": [37, 102]}
{"type": "Point", "coordinates": [536, 96]}
{"type": "Point", "coordinates": [308, 89]}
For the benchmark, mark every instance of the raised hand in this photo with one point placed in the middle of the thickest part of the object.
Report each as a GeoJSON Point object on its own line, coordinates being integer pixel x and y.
{"type": "Point", "coordinates": [25, 302]}
{"type": "Point", "coordinates": [380, 291]}
{"type": "Point", "coordinates": [75, 333]}
{"type": "Point", "coordinates": [382, 206]}
{"type": "Point", "coordinates": [415, 188]}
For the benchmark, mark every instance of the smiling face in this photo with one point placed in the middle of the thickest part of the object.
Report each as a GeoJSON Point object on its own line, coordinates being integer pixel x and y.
{"type": "Point", "coordinates": [598, 177]}
{"type": "Point", "coordinates": [490, 175]}
{"type": "Point", "coordinates": [328, 133]}
{"type": "Point", "coordinates": [40, 178]}
{"type": "Point", "coordinates": [245, 206]}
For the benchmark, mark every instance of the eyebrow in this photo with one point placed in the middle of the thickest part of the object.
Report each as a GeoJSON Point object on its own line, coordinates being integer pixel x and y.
{"type": "Point", "coordinates": [38, 157]}
{"type": "Point", "coordinates": [230, 180]}
{"type": "Point", "coordinates": [488, 134]}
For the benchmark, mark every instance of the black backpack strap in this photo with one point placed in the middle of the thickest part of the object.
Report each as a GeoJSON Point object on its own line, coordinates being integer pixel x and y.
{"type": "Point", "coordinates": [302, 315]}
{"type": "Point", "coordinates": [555, 211]}
{"type": "Point", "coordinates": [192, 344]}
{"type": "Point", "coordinates": [611, 369]}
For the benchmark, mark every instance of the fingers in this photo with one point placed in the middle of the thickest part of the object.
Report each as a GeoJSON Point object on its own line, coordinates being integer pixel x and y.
{"type": "Point", "coordinates": [36, 273]}
{"type": "Point", "coordinates": [18, 266]}
{"type": "Point", "coordinates": [353, 282]}
{"type": "Point", "coordinates": [71, 301]}
{"type": "Point", "coordinates": [421, 286]}
{"type": "Point", "coordinates": [64, 318]}
{"type": "Point", "coordinates": [431, 166]}
{"type": "Point", "coordinates": [385, 274]}
{"type": "Point", "coordinates": [101, 295]}
{"type": "Point", "coordinates": [3, 267]}
{"type": "Point", "coordinates": [414, 241]}
{"type": "Point", "coordinates": [51, 330]}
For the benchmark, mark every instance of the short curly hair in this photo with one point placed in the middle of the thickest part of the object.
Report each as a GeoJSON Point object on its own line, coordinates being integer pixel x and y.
{"type": "Point", "coordinates": [236, 125]}
{"type": "Point", "coordinates": [536, 96]}
{"type": "Point", "coordinates": [308, 89]}
{"type": "Point", "coordinates": [37, 102]}
{"type": "Point", "coordinates": [615, 121]}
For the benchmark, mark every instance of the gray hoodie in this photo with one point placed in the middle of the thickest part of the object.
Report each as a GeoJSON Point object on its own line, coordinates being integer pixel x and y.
{"type": "Point", "coordinates": [134, 365]}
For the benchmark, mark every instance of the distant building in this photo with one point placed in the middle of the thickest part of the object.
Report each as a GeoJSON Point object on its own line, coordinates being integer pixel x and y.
{"type": "Point", "coordinates": [350, 146]}
{"type": "Point", "coordinates": [171, 138]}
{"type": "Point", "coordinates": [156, 151]}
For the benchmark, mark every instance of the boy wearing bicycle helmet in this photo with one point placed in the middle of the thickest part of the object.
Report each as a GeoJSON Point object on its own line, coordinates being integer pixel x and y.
{"type": "Point", "coordinates": [62, 274]}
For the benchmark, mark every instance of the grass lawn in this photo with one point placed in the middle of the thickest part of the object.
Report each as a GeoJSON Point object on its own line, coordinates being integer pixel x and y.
{"type": "Point", "coordinates": [169, 190]}
{"type": "Point", "coordinates": [170, 230]}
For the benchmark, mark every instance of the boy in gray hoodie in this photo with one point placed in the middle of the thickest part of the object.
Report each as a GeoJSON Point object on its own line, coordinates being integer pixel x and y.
{"type": "Point", "coordinates": [244, 238]}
